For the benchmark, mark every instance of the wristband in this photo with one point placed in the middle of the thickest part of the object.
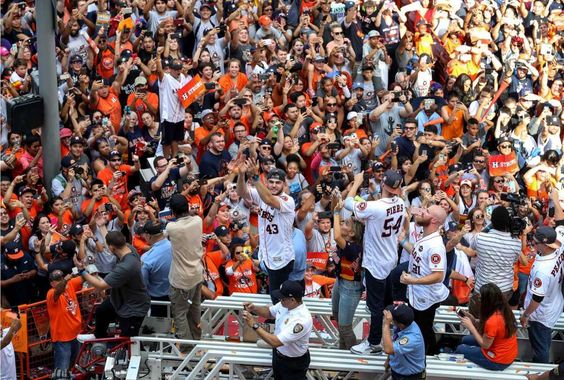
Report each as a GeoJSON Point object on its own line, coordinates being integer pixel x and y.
{"type": "Point", "coordinates": [403, 241]}
{"type": "Point", "coordinates": [255, 178]}
{"type": "Point", "coordinates": [82, 271]}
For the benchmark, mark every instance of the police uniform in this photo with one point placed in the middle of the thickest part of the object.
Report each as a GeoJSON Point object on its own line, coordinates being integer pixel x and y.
{"type": "Point", "coordinates": [293, 328]}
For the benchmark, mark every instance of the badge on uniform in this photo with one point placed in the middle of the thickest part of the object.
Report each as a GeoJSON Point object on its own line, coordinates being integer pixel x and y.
{"type": "Point", "coordinates": [298, 328]}
{"type": "Point", "coordinates": [403, 340]}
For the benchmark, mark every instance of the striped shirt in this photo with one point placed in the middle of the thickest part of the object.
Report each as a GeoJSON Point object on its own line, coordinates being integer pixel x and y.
{"type": "Point", "coordinates": [497, 252]}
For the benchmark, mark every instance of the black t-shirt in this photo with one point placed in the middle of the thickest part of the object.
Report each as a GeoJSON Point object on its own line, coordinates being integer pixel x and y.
{"type": "Point", "coordinates": [352, 253]}
{"type": "Point", "coordinates": [64, 265]}
{"type": "Point", "coordinates": [214, 165]}
{"type": "Point", "coordinates": [169, 187]}
{"type": "Point", "coordinates": [128, 296]}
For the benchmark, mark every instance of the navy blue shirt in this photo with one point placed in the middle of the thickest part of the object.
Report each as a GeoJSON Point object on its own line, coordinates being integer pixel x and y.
{"type": "Point", "coordinates": [214, 165]}
{"type": "Point", "coordinates": [21, 292]}
{"type": "Point", "coordinates": [168, 188]}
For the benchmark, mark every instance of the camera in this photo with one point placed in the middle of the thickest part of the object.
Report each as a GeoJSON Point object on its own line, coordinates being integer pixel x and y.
{"type": "Point", "coordinates": [209, 85]}
{"type": "Point", "coordinates": [78, 170]}
{"type": "Point", "coordinates": [108, 207]}
{"type": "Point", "coordinates": [176, 35]}
{"type": "Point", "coordinates": [517, 224]}
{"type": "Point", "coordinates": [397, 95]}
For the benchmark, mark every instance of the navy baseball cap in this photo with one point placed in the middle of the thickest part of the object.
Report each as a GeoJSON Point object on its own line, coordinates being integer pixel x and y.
{"type": "Point", "coordinates": [152, 228]}
{"type": "Point", "coordinates": [547, 236]}
{"type": "Point", "coordinates": [392, 181]}
{"type": "Point", "coordinates": [278, 174]}
{"type": "Point", "coordinates": [221, 231]}
{"type": "Point", "coordinates": [289, 289]}
{"type": "Point", "coordinates": [401, 313]}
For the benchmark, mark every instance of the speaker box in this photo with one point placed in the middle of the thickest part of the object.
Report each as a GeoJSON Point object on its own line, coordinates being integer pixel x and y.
{"type": "Point", "coordinates": [25, 113]}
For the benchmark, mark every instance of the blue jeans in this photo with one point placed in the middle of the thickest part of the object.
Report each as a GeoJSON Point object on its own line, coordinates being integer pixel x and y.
{"type": "Point", "coordinates": [523, 280]}
{"type": "Point", "coordinates": [344, 300]}
{"type": "Point", "coordinates": [376, 291]}
{"type": "Point", "coordinates": [65, 353]}
{"type": "Point", "coordinates": [473, 352]}
{"type": "Point", "coordinates": [540, 337]}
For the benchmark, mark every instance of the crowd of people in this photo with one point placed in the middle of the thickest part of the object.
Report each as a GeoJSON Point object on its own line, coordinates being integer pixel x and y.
{"type": "Point", "coordinates": [394, 151]}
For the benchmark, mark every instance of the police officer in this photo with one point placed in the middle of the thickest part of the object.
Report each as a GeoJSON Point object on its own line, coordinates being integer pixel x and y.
{"type": "Point", "coordinates": [290, 354]}
{"type": "Point", "coordinates": [406, 349]}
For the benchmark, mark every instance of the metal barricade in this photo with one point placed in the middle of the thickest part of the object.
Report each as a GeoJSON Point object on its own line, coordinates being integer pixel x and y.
{"type": "Point", "coordinates": [35, 360]}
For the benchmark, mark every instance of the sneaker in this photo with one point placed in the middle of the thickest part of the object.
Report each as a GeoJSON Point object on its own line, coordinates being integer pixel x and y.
{"type": "Point", "coordinates": [365, 348]}
{"type": "Point", "coordinates": [85, 337]}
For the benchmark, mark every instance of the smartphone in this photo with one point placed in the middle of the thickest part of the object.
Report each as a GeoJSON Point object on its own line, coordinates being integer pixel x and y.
{"type": "Point", "coordinates": [64, 76]}
{"type": "Point", "coordinates": [142, 201]}
{"type": "Point", "coordinates": [178, 22]}
{"type": "Point", "coordinates": [108, 207]}
{"type": "Point", "coordinates": [460, 313]}
{"type": "Point", "coordinates": [240, 101]}
{"type": "Point", "coordinates": [127, 11]}
{"type": "Point", "coordinates": [394, 146]}
{"type": "Point", "coordinates": [551, 212]}
{"type": "Point", "coordinates": [209, 85]}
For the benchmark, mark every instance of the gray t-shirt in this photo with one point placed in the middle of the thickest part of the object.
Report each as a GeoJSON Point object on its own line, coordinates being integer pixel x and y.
{"type": "Point", "coordinates": [129, 296]}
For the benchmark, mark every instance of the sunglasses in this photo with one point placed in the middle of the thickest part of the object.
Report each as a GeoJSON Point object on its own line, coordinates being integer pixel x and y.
{"type": "Point", "coordinates": [410, 128]}
{"type": "Point", "coordinates": [331, 104]}
{"type": "Point", "coordinates": [338, 33]}
{"type": "Point", "coordinates": [238, 252]}
{"type": "Point", "coordinates": [499, 181]}
{"type": "Point", "coordinates": [479, 216]}
{"type": "Point", "coordinates": [115, 160]}
{"type": "Point", "coordinates": [266, 147]}
{"type": "Point", "coordinates": [480, 161]}
{"type": "Point", "coordinates": [505, 146]}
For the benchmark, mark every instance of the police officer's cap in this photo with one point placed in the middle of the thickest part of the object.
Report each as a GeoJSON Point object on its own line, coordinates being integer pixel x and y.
{"type": "Point", "coordinates": [289, 289]}
{"type": "Point", "coordinates": [401, 313]}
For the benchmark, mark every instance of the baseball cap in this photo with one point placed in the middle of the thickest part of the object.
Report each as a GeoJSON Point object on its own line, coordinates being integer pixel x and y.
{"type": "Point", "coordinates": [352, 115]}
{"type": "Point", "coordinates": [401, 313]}
{"type": "Point", "coordinates": [264, 20]}
{"type": "Point", "coordinates": [13, 251]}
{"type": "Point", "coordinates": [547, 236]}
{"type": "Point", "coordinates": [349, 5]}
{"type": "Point", "coordinates": [178, 204]}
{"type": "Point", "coordinates": [175, 65]}
{"type": "Point", "coordinates": [133, 193]}
{"type": "Point", "coordinates": [67, 162]}
{"type": "Point", "coordinates": [358, 85]}
{"type": "Point", "coordinates": [223, 204]}
{"type": "Point", "coordinates": [140, 81]}
{"type": "Point", "coordinates": [205, 5]}
{"type": "Point", "coordinates": [65, 132]}
{"type": "Point", "coordinates": [276, 174]}
{"type": "Point", "coordinates": [4, 52]}
{"type": "Point", "coordinates": [373, 33]}
{"type": "Point", "coordinates": [26, 189]}
{"type": "Point", "coordinates": [367, 67]}
{"type": "Point", "coordinates": [68, 246]}
{"type": "Point", "coordinates": [152, 228]}
{"type": "Point", "coordinates": [392, 181]}
{"type": "Point", "coordinates": [452, 226]}
{"type": "Point", "coordinates": [76, 58]}
{"type": "Point", "coordinates": [466, 182]}
{"type": "Point", "coordinates": [289, 289]}
{"type": "Point", "coordinates": [221, 231]}
{"type": "Point", "coordinates": [553, 120]}
{"type": "Point", "coordinates": [76, 229]}
{"type": "Point", "coordinates": [114, 153]}
{"type": "Point", "coordinates": [76, 140]}
{"type": "Point", "coordinates": [504, 139]}
{"type": "Point", "coordinates": [205, 113]}
{"type": "Point", "coordinates": [377, 166]}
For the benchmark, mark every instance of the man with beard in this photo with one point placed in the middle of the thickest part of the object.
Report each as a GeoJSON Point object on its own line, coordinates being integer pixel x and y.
{"type": "Point", "coordinates": [215, 159]}
{"type": "Point", "coordinates": [74, 40]}
{"type": "Point", "coordinates": [276, 218]}
{"type": "Point", "coordinates": [384, 220]}
{"type": "Point", "coordinates": [117, 173]}
{"type": "Point", "coordinates": [427, 270]}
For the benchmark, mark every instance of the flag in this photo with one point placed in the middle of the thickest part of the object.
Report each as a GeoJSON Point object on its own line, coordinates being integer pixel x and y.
{"type": "Point", "coordinates": [501, 164]}
{"type": "Point", "coordinates": [190, 91]}
{"type": "Point", "coordinates": [502, 86]}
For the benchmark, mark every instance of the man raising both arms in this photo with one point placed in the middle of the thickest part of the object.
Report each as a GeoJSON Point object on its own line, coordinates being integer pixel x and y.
{"type": "Point", "coordinates": [384, 221]}
{"type": "Point", "coordinates": [276, 218]}
{"type": "Point", "coordinates": [427, 270]}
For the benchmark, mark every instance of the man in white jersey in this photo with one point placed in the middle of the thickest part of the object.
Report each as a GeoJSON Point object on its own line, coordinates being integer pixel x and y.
{"type": "Point", "coordinates": [384, 221]}
{"type": "Point", "coordinates": [544, 300]}
{"type": "Point", "coordinates": [275, 225]}
{"type": "Point", "coordinates": [427, 271]}
{"type": "Point", "coordinates": [172, 112]}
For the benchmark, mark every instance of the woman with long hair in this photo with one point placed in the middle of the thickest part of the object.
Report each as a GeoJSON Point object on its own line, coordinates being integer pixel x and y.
{"type": "Point", "coordinates": [240, 271]}
{"type": "Point", "coordinates": [493, 340]}
{"type": "Point", "coordinates": [348, 235]}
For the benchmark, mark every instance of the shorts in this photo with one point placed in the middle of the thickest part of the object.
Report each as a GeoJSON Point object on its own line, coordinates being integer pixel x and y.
{"type": "Point", "coordinates": [172, 132]}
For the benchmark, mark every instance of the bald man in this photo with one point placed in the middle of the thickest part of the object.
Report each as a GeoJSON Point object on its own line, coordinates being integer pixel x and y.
{"type": "Point", "coordinates": [427, 271]}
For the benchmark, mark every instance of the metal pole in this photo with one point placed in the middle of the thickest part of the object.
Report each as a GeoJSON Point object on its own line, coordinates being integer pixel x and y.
{"type": "Point", "coordinates": [50, 140]}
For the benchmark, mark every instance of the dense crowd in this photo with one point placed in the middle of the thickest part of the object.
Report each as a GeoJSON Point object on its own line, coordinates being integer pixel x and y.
{"type": "Point", "coordinates": [319, 141]}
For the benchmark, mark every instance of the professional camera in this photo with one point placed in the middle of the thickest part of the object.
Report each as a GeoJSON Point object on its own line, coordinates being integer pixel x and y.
{"type": "Point", "coordinates": [516, 223]}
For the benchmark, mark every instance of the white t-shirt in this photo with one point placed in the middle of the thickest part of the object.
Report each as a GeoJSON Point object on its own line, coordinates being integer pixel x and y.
{"type": "Point", "coordinates": [545, 281]}
{"type": "Point", "coordinates": [7, 360]}
{"type": "Point", "coordinates": [320, 242]}
{"type": "Point", "coordinates": [171, 108]}
{"type": "Point", "coordinates": [428, 256]}
{"type": "Point", "coordinates": [384, 221]}
{"type": "Point", "coordinates": [155, 18]}
{"type": "Point", "coordinates": [275, 227]}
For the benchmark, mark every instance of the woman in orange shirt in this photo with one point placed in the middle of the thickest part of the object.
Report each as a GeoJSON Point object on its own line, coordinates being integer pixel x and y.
{"type": "Point", "coordinates": [240, 271]}
{"type": "Point", "coordinates": [493, 340]}
{"type": "Point", "coordinates": [234, 79]}
{"type": "Point", "coordinates": [61, 216]}
{"type": "Point", "coordinates": [454, 114]}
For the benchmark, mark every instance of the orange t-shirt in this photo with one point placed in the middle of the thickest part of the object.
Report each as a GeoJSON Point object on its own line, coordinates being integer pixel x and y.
{"type": "Point", "coordinates": [243, 279]}
{"type": "Point", "coordinates": [110, 107]}
{"type": "Point", "coordinates": [503, 350]}
{"type": "Point", "coordinates": [211, 273]}
{"type": "Point", "coordinates": [226, 82]}
{"type": "Point", "coordinates": [531, 255]}
{"type": "Point", "coordinates": [68, 220]}
{"type": "Point", "coordinates": [64, 313]}
{"type": "Point", "coordinates": [139, 105]}
{"type": "Point", "coordinates": [119, 190]}
{"type": "Point", "coordinates": [97, 204]}
{"type": "Point", "coordinates": [456, 127]}
{"type": "Point", "coordinates": [140, 244]}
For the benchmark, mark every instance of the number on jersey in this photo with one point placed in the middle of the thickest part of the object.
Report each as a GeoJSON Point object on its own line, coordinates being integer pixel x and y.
{"type": "Point", "coordinates": [416, 269]}
{"type": "Point", "coordinates": [272, 229]}
{"type": "Point", "coordinates": [390, 226]}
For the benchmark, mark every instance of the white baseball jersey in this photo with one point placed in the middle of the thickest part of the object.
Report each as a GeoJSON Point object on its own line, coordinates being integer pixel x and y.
{"type": "Point", "coordinates": [545, 281]}
{"type": "Point", "coordinates": [275, 231]}
{"type": "Point", "coordinates": [560, 234]}
{"type": "Point", "coordinates": [384, 221]}
{"type": "Point", "coordinates": [428, 256]}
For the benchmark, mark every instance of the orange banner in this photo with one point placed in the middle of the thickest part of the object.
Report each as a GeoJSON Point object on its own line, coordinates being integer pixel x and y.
{"type": "Point", "coordinates": [318, 259]}
{"type": "Point", "coordinates": [501, 164]}
{"type": "Point", "coordinates": [502, 87]}
{"type": "Point", "coordinates": [20, 339]}
{"type": "Point", "coordinates": [191, 91]}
